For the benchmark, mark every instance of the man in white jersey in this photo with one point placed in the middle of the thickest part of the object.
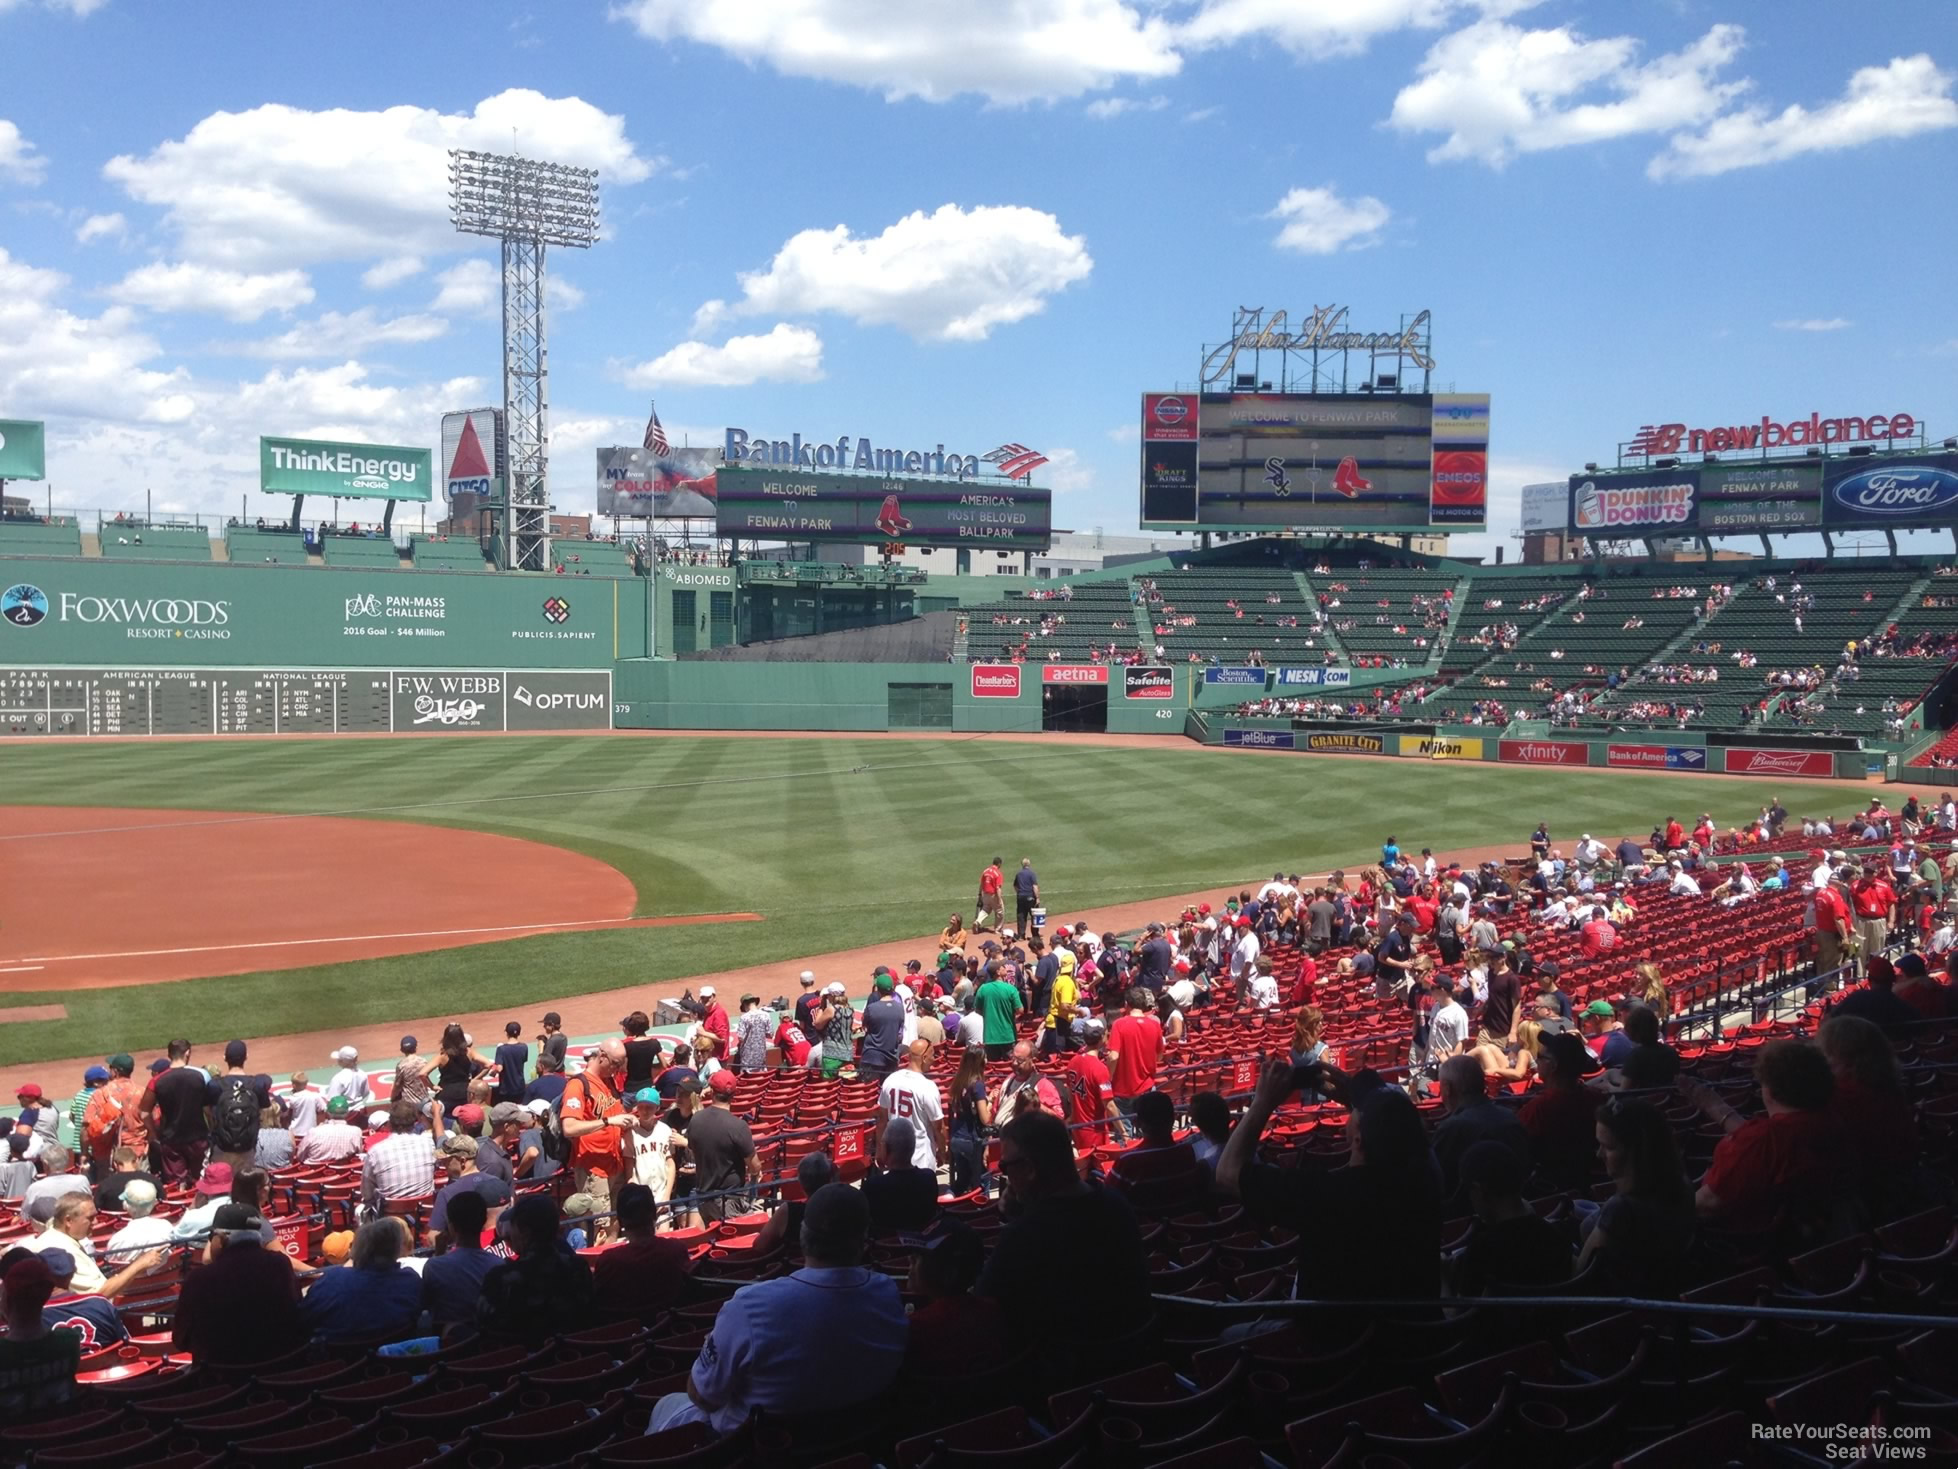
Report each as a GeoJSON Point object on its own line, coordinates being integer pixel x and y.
{"type": "Point", "coordinates": [910, 1094]}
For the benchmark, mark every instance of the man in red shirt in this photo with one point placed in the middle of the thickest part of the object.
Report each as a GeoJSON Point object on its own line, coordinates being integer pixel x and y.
{"type": "Point", "coordinates": [1831, 930]}
{"type": "Point", "coordinates": [1424, 908]}
{"type": "Point", "coordinates": [792, 1043]}
{"type": "Point", "coordinates": [713, 1019]}
{"type": "Point", "coordinates": [1785, 1161]}
{"type": "Point", "coordinates": [990, 882]}
{"type": "Point", "coordinates": [1087, 1090]}
{"type": "Point", "coordinates": [1703, 833]}
{"type": "Point", "coordinates": [1136, 1043]}
{"type": "Point", "coordinates": [1675, 834]}
{"type": "Point", "coordinates": [1561, 1119]}
{"type": "Point", "coordinates": [1597, 935]}
{"type": "Point", "coordinates": [1875, 902]}
{"type": "Point", "coordinates": [594, 1116]}
{"type": "Point", "coordinates": [1306, 983]}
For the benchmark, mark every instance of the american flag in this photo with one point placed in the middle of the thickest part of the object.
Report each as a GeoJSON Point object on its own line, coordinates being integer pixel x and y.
{"type": "Point", "coordinates": [655, 435]}
{"type": "Point", "coordinates": [1015, 460]}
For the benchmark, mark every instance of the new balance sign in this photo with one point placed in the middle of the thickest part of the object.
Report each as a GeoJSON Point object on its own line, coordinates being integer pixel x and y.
{"type": "Point", "coordinates": [1074, 673]}
{"type": "Point", "coordinates": [1780, 762]}
{"type": "Point", "coordinates": [995, 680]}
{"type": "Point", "coordinates": [1543, 752]}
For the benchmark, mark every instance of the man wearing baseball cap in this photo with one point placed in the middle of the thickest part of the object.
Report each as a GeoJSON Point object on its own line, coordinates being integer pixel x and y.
{"type": "Point", "coordinates": [883, 1028]}
{"type": "Point", "coordinates": [35, 1113]}
{"type": "Point", "coordinates": [807, 1002]}
{"type": "Point", "coordinates": [333, 1140]}
{"type": "Point", "coordinates": [723, 1151]}
{"type": "Point", "coordinates": [348, 1080]}
{"type": "Point", "coordinates": [39, 1364]}
{"type": "Point", "coordinates": [551, 1039]}
{"type": "Point", "coordinates": [713, 1018]}
{"type": "Point", "coordinates": [182, 1135]}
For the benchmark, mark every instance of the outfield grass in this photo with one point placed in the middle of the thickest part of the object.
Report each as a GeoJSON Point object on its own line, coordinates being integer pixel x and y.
{"type": "Point", "coordinates": [837, 842]}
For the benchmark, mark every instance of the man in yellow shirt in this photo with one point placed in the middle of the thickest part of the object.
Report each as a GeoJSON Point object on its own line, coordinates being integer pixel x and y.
{"type": "Point", "coordinates": [1059, 1034]}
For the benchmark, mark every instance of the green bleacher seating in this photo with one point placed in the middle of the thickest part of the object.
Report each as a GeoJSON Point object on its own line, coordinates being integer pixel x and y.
{"type": "Point", "coordinates": [1385, 612]}
{"type": "Point", "coordinates": [376, 552]}
{"type": "Point", "coordinates": [155, 542]}
{"type": "Point", "coordinates": [1080, 627]}
{"type": "Point", "coordinates": [1264, 600]}
{"type": "Point", "coordinates": [591, 558]}
{"type": "Point", "coordinates": [62, 537]}
{"type": "Point", "coordinates": [448, 553]}
{"type": "Point", "coordinates": [247, 544]}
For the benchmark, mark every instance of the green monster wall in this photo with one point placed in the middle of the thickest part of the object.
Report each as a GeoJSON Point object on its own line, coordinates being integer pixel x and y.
{"type": "Point", "coordinates": [123, 614]}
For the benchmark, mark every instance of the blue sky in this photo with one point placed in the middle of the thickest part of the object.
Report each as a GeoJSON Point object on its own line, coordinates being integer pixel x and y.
{"type": "Point", "coordinates": [927, 223]}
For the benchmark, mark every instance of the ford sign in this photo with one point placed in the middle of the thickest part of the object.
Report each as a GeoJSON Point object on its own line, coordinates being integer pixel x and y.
{"type": "Point", "coordinates": [1898, 492]}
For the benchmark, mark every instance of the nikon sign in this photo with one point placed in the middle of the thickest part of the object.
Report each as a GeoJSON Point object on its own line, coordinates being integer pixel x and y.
{"type": "Point", "coordinates": [356, 471]}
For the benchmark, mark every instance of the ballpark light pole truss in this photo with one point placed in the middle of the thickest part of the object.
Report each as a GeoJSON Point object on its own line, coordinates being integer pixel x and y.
{"type": "Point", "coordinates": [526, 205]}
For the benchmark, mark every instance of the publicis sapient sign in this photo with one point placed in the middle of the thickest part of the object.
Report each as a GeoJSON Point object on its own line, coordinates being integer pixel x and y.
{"type": "Point", "coordinates": [358, 471]}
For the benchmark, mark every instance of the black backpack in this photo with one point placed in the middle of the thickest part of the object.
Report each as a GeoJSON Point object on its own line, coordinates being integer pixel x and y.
{"type": "Point", "coordinates": [234, 1116]}
{"type": "Point", "coordinates": [551, 1136]}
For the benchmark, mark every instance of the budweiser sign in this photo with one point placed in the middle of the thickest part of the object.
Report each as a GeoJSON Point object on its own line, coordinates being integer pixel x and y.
{"type": "Point", "coordinates": [1780, 762]}
{"type": "Point", "coordinates": [995, 680]}
{"type": "Point", "coordinates": [1677, 438]}
{"type": "Point", "coordinates": [1543, 752]}
{"type": "Point", "coordinates": [1074, 673]}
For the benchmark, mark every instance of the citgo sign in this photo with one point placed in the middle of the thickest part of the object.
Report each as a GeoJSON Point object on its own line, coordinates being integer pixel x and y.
{"type": "Point", "coordinates": [995, 680]}
{"type": "Point", "coordinates": [1543, 752]}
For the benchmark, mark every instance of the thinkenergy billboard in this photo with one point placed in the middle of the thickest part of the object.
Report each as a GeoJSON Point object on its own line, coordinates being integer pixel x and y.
{"type": "Point", "coordinates": [1409, 461]}
{"type": "Point", "coordinates": [798, 505]}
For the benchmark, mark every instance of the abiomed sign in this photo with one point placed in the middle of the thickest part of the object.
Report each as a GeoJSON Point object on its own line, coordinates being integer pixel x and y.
{"type": "Point", "coordinates": [356, 471]}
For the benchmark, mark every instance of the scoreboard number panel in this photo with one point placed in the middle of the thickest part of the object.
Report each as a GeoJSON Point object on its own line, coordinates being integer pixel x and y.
{"type": "Point", "coordinates": [68, 702]}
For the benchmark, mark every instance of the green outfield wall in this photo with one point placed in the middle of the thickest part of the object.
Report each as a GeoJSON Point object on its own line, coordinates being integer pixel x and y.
{"type": "Point", "coordinates": [119, 613]}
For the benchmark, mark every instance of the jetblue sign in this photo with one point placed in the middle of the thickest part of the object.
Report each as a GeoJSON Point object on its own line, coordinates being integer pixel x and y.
{"type": "Point", "coordinates": [1262, 739]}
{"type": "Point", "coordinates": [1250, 676]}
{"type": "Point", "coordinates": [1332, 678]}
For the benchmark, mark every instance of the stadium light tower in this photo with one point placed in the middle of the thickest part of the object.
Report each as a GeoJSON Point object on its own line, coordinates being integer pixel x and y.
{"type": "Point", "coordinates": [526, 205]}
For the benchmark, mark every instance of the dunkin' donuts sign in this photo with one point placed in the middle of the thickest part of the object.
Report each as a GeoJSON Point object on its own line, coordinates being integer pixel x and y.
{"type": "Point", "coordinates": [1543, 752]}
{"type": "Point", "coordinates": [995, 680]}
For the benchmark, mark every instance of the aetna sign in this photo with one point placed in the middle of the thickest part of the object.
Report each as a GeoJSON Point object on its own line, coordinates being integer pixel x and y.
{"type": "Point", "coordinates": [1676, 438]}
{"type": "Point", "coordinates": [995, 680]}
{"type": "Point", "coordinates": [1074, 673]}
{"type": "Point", "coordinates": [1543, 752]}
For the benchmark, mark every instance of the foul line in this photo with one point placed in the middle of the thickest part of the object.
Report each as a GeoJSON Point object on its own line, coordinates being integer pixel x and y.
{"type": "Point", "coordinates": [37, 961]}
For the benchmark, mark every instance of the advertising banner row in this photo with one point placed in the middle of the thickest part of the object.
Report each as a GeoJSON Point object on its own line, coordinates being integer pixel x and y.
{"type": "Point", "coordinates": [1138, 680]}
{"type": "Point", "coordinates": [1843, 491]}
{"type": "Point", "coordinates": [1604, 754]}
{"type": "Point", "coordinates": [1280, 678]}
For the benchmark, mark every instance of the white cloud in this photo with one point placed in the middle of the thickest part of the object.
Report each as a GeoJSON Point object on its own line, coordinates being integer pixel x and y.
{"type": "Point", "coordinates": [1908, 96]}
{"type": "Point", "coordinates": [561, 295]}
{"type": "Point", "coordinates": [239, 295]}
{"type": "Point", "coordinates": [1113, 107]}
{"type": "Point", "coordinates": [788, 354]}
{"type": "Point", "coordinates": [470, 288]}
{"type": "Point", "coordinates": [1202, 114]}
{"type": "Point", "coordinates": [391, 272]}
{"type": "Point", "coordinates": [1497, 90]}
{"type": "Point", "coordinates": [1815, 324]}
{"type": "Point", "coordinates": [1315, 29]}
{"type": "Point", "coordinates": [281, 186]}
{"type": "Point", "coordinates": [102, 227]}
{"type": "Point", "coordinates": [952, 275]}
{"type": "Point", "coordinates": [1065, 473]}
{"type": "Point", "coordinates": [1032, 50]}
{"type": "Point", "coordinates": [18, 160]}
{"type": "Point", "coordinates": [1127, 433]}
{"type": "Point", "coordinates": [1319, 222]}
{"type": "Point", "coordinates": [339, 334]}
{"type": "Point", "coordinates": [80, 9]}
{"type": "Point", "coordinates": [62, 365]}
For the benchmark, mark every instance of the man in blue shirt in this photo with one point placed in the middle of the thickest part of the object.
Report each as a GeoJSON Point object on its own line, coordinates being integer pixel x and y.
{"type": "Point", "coordinates": [776, 1345]}
{"type": "Point", "coordinates": [511, 1059]}
{"type": "Point", "coordinates": [1026, 895]}
{"type": "Point", "coordinates": [883, 1029]}
{"type": "Point", "coordinates": [549, 1085]}
{"type": "Point", "coordinates": [1390, 854]}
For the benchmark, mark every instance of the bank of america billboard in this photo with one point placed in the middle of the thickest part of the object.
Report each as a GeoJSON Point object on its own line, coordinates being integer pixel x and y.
{"type": "Point", "coordinates": [803, 505]}
{"type": "Point", "coordinates": [1286, 461]}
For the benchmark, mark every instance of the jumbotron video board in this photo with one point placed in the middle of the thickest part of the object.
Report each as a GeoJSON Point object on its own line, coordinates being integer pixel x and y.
{"type": "Point", "coordinates": [787, 504]}
{"type": "Point", "coordinates": [1337, 461]}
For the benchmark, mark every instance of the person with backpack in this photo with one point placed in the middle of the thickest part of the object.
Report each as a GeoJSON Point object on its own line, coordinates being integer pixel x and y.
{"type": "Point", "coordinates": [591, 1116]}
{"type": "Point", "coordinates": [235, 1100]}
